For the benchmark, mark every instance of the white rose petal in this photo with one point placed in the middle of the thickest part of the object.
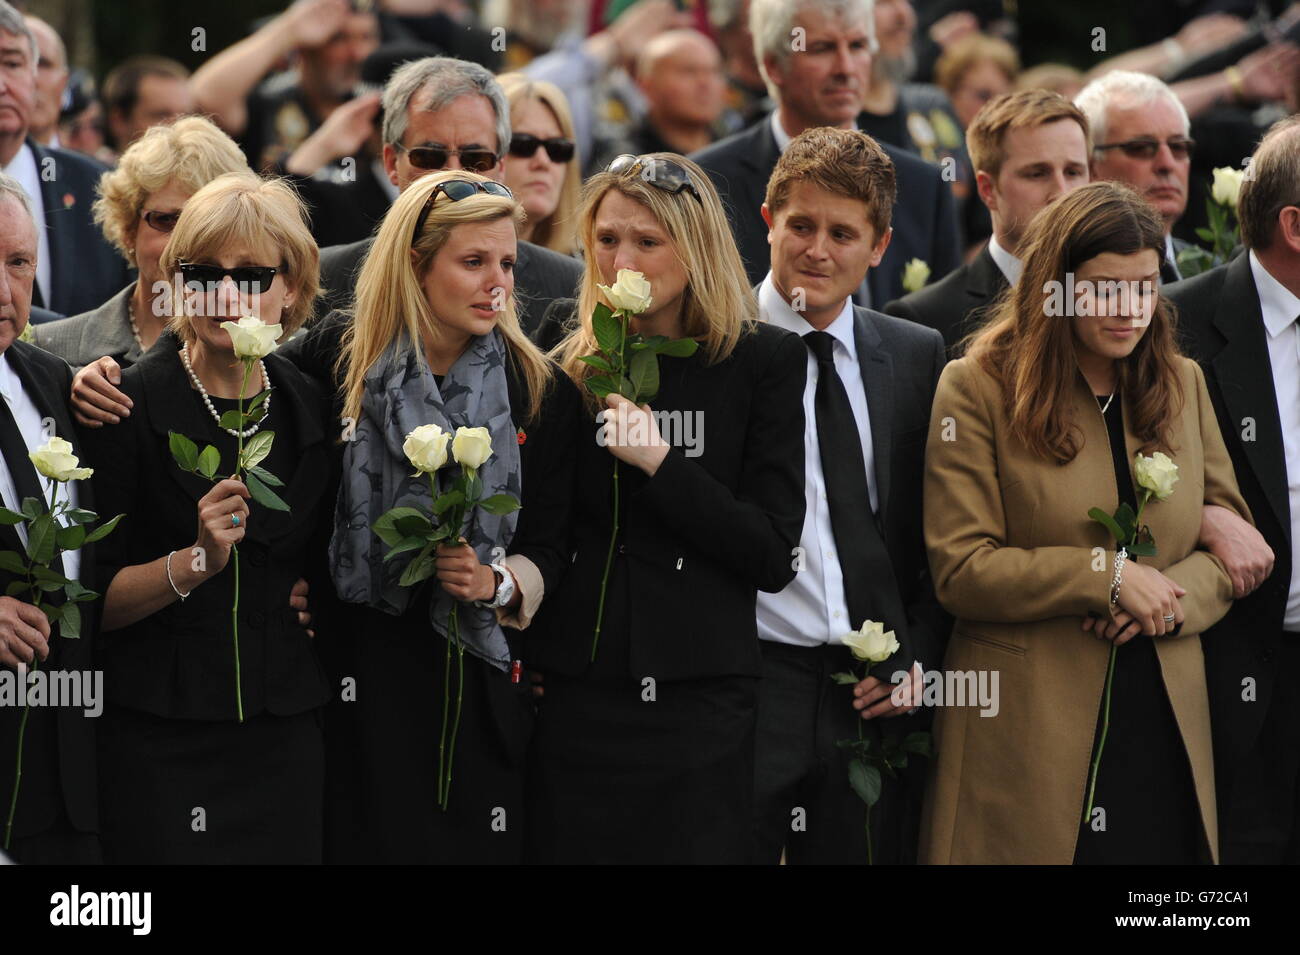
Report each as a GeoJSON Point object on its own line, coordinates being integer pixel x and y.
{"type": "Point", "coordinates": [871, 643]}
{"type": "Point", "coordinates": [56, 461]}
{"type": "Point", "coordinates": [471, 447]}
{"type": "Point", "coordinates": [253, 338]}
{"type": "Point", "coordinates": [426, 448]}
{"type": "Point", "coordinates": [630, 292]}
{"type": "Point", "coordinates": [1157, 474]}
{"type": "Point", "coordinates": [915, 274]}
{"type": "Point", "coordinates": [1227, 186]}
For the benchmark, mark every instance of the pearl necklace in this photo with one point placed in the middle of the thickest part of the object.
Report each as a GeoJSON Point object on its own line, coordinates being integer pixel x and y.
{"type": "Point", "coordinates": [266, 383]}
{"type": "Point", "coordinates": [135, 330]}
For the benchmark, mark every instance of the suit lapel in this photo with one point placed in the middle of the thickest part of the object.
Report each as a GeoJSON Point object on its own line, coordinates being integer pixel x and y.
{"type": "Point", "coordinates": [62, 264]}
{"type": "Point", "coordinates": [877, 369]}
{"type": "Point", "coordinates": [1245, 376]}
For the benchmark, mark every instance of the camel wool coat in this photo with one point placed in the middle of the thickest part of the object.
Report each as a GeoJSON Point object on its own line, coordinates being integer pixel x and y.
{"type": "Point", "coordinates": [1018, 562]}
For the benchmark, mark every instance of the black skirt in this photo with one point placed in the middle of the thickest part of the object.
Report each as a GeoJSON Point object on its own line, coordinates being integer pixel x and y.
{"type": "Point", "coordinates": [195, 792]}
{"type": "Point", "coordinates": [625, 772]}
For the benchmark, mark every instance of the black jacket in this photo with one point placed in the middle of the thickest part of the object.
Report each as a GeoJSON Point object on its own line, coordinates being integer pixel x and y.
{"type": "Point", "coordinates": [956, 304]}
{"type": "Point", "coordinates": [1222, 327]}
{"type": "Point", "coordinates": [540, 277]}
{"type": "Point", "coordinates": [702, 536]}
{"type": "Point", "coordinates": [179, 662]}
{"type": "Point", "coordinates": [85, 271]}
{"type": "Point", "coordinates": [925, 217]}
{"type": "Point", "coordinates": [59, 744]}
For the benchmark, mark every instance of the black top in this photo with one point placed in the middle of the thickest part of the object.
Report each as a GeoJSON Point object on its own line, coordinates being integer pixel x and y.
{"type": "Point", "coordinates": [179, 662]}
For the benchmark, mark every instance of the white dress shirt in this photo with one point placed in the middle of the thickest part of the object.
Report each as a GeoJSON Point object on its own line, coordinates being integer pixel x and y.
{"type": "Point", "coordinates": [1170, 257]}
{"type": "Point", "coordinates": [1008, 263]}
{"type": "Point", "coordinates": [813, 610]}
{"type": "Point", "coordinates": [1280, 309]}
{"type": "Point", "coordinates": [23, 168]}
{"type": "Point", "coordinates": [30, 422]}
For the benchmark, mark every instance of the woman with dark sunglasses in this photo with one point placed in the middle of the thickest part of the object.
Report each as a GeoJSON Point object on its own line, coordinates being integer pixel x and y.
{"type": "Point", "coordinates": [541, 165]}
{"type": "Point", "coordinates": [208, 753]}
{"type": "Point", "coordinates": [139, 204]}
{"type": "Point", "coordinates": [434, 339]}
{"type": "Point", "coordinates": [645, 738]}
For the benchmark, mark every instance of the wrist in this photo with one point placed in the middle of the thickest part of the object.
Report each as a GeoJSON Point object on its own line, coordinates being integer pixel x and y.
{"type": "Point", "coordinates": [655, 455]}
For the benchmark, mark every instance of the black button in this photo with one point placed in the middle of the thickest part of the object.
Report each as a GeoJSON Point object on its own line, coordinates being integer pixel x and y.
{"type": "Point", "coordinates": [622, 549]}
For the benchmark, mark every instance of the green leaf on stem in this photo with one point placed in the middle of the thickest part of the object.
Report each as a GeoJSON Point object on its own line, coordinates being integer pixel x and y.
{"type": "Point", "coordinates": [865, 781]}
{"type": "Point", "coordinates": [1142, 549]}
{"type": "Point", "coordinates": [10, 517]}
{"type": "Point", "coordinates": [232, 419]}
{"type": "Point", "coordinates": [601, 385]}
{"type": "Point", "coordinates": [70, 538]}
{"type": "Point", "coordinates": [411, 525]}
{"type": "Point", "coordinates": [12, 562]}
{"type": "Point", "coordinates": [385, 527]}
{"type": "Point", "coordinates": [405, 546]}
{"type": "Point", "coordinates": [255, 451]}
{"type": "Point", "coordinates": [264, 495]}
{"type": "Point", "coordinates": [1101, 517]}
{"type": "Point", "coordinates": [500, 504]}
{"type": "Point", "coordinates": [844, 679]}
{"type": "Point", "coordinates": [17, 587]}
{"type": "Point", "coordinates": [33, 507]}
{"type": "Point", "coordinates": [40, 539]}
{"type": "Point", "coordinates": [79, 515]}
{"type": "Point", "coordinates": [679, 348]}
{"type": "Point", "coordinates": [102, 531]}
{"type": "Point", "coordinates": [255, 403]}
{"type": "Point", "coordinates": [266, 477]}
{"type": "Point", "coordinates": [919, 743]}
{"type": "Point", "coordinates": [447, 501]}
{"type": "Point", "coordinates": [209, 461]}
{"type": "Point", "coordinates": [596, 361]}
{"type": "Point", "coordinates": [184, 451]}
{"type": "Point", "coordinates": [70, 621]}
{"type": "Point", "coordinates": [473, 488]}
{"type": "Point", "coordinates": [644, 375]}
{"type": "Point", "coordinates": [421, 568]}
{"type": "Point", "coordinates": [607, 328]}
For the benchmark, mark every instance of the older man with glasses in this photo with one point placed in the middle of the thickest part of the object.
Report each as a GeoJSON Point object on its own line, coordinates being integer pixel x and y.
{"type": "Point", "coordinates": [1140, 137]}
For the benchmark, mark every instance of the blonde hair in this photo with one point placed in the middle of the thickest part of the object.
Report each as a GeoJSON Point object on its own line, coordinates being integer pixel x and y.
{"type": "Point", "coordinates": [718, 304]}
{"type": "Point", "coordinates": [556, 231]}
{"type": "Point", "coordinates": [391, 298]}
{"type": "Point", "coordinates": [242, 209]}
{"type": "Point", "coordinates": [970, 51]}
{"type": "Point", "coordinates": [191, 152]}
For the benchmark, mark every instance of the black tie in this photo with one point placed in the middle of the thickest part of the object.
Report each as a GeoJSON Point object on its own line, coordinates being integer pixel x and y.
{"type": "Point", "coordinates": [22, 471]}
{"type": "Point", "coordinates": [869, 585]}
{"type": "Point", "coordinates": [1168, 273]}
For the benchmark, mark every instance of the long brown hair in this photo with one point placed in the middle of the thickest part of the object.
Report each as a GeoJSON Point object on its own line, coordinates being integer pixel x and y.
{"type": "Point", "coordinates": [1031, 352]}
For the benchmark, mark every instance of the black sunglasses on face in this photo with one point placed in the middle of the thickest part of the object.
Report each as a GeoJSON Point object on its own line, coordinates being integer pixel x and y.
{"type": "Point", "coordinates": [456, 190]}
{"type": "Point", "coordinates": [525, 146]}
{"type": "Point", "coordinates": [435, 157]}
{"type": "Point", "coordinates": [251, 279]}
{"type": "Point", "coordinates": [162, 222]}
{"type": "Point", "coordinates": [1180, 147]}
{"type": "Point", "coordinates": [661, 173]}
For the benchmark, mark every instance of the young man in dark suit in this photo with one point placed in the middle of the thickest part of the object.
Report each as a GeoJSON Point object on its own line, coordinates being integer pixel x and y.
{"type": "Point", "coordinates": [1027, 148]}
{"type": "Point", "coordinates": [821, 83]}
{"type": "Point", "coordinates": [78, 270]}
{"type": "Point", "coordinates": [1239, 322]}
{"type": "Point", "coordinates": [56, 819]}
{"type": "Point", "coordinates": [871, 380]}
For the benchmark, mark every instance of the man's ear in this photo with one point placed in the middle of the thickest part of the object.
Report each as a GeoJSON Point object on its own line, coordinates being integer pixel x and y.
{"type": "Point", "coordinates": [987, 189]}
{"type": "Point", "coordinates": [766, 213]}
{"type": "Point", "coordinates": [390, 163]}
{"type": "Point", "coordinates": [1288, 228]}
{"type": "Point", "coordinates": [882, 244]}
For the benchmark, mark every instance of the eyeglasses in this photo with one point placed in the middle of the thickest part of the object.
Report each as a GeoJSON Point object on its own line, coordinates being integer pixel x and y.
{"type": "Point", "coordinates": [252, 279]}
{"type": "Point", "coordinates": [456, 190]}
{"type": "Point", "coordinates": [162, 222]}
{"type": "Point", "coordinates": [435, 157]}
{"type": "Point", "coordinates": [1180, 147]}
{"type": "Point", "coordinates": [525, 146]}
{"type": "Point", "coordinates": [663, 174]}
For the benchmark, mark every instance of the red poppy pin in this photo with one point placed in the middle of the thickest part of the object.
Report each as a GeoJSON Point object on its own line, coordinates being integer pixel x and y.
{"type": "Point", "coordinates": [69, 200]}
{"type": "Point", "coordinates": [521, 437]}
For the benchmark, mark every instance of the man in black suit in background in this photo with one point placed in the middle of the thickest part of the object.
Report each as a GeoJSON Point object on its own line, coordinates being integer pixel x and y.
{"type": "Point", "coordinates": [77, 270]}
{"type": "Point", "coordinates": [57, 813]}
{"type": "Point", "coordinates": [1239, 322]}
{"type": "Point", "coordinates": [442, 113]}
{"type": "Point", "coordinates": [821, 82]}
{"type": "Point", "coordinates": [1027, 148]}
{"type": "Point", "coordinates": [871, 381]}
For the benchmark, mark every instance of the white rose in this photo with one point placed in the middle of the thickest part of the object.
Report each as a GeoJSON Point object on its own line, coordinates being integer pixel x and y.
{"type": "Point", "coordinates": [471, 447]}
{"type": "Point", "coordinates": [1157, 474]}
{"type": "Point", "coordinates": [915, 274]}
{"type": "Point", "coordinates": [426, 448]}
{"type": "Point", "coordinates": [629, 293]}
{"type": "Point", "coordinates": [252, 337]}
{"type": "Point", "coordinates": [872, 643]}
{"type": "Point", "coordinates": [1227, 186]}
{"type": "Point", "coordinates": [56, 461]}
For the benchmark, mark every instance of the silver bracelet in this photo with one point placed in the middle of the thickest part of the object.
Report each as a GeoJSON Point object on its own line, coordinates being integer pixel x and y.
{"type": "Point", "coordinates": [175, 589]}
{"type": "Point", "coordinates": [1121, 555]}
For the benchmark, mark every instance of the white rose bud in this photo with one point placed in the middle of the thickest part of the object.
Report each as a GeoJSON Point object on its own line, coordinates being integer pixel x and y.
{"type": "Point", "coordinates": [1227, 186]}
{"type": "Point", "coordinates": [252, 337]}
{"type": "Point", "coordinates": [471, 447]}
{"type": "Point", "coordinates": [629, 293]}
{"type": "Point", "coordinates": [426, 448]}
{"type": "Point", "coordinates": [56, 461]}
{"type": "Point", "coordinates": [872, 643]}
{"type": "Point", "coordinates": [1157, 474]}
{"type": "Point", "coordinates": [915, 274]}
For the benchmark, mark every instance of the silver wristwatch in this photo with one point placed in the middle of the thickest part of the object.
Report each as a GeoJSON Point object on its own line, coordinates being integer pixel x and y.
{"type": "Point", "coordinates": [505, 587]}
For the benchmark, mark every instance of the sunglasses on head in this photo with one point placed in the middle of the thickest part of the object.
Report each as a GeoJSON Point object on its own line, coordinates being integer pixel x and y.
{"type": "Point", "coordinates": [253, 279]}
{"type": "Point", "coordinates": [456, 190]}
{"type": "Point", "coordinates": [663, 174]}
{"type": "Point", "coordinates": [162, 222]}
{"type": "Point", "coordinates": [1181, 147]}
{"type": "Point", "coordinates": [525, 146]}
{"type": "Point", "coordinates": [435, 157]}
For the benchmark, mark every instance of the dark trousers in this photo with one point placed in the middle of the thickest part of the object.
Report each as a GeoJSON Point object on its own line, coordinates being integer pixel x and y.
{"type": "Point", "coordinates": [802, 799]}
{"type": "Point", "coordinates": [1260, 815]}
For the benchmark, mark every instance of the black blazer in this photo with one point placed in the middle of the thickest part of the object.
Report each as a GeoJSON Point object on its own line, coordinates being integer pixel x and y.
{"type": "Point", "coordinates": [540, 277]}
{"type": "Point", "coordinates": [59, 746]}
{"type": "Point", "coordinates": [956, 304]}
{"type": "Point", "coordinates": [701, 537]}
{"type": "Point", "coordinates": [1222, 327]}
{"type": "Point", "coordinates": [178, 663]}
{"type": "Point", "coordinates": [342, 211]}
{"type": "Point", "coordinates": [925, 216]}
{"type": "Point", "coordinates": [85, 270]}
{"type": "Point", "coordinates": [901, 363]}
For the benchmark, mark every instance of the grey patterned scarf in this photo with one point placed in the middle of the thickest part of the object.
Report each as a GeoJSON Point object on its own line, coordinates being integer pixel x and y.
{"type": "Point", "coordinates": [400, 395]}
